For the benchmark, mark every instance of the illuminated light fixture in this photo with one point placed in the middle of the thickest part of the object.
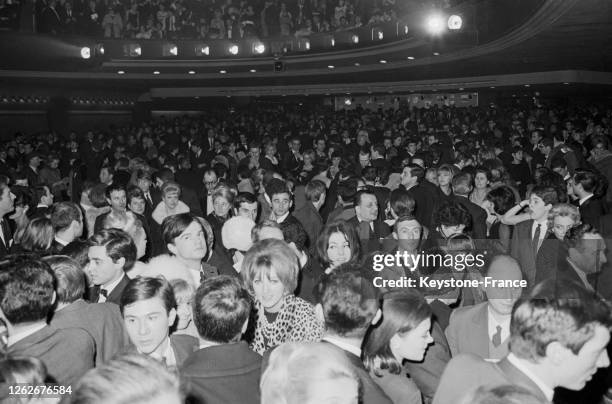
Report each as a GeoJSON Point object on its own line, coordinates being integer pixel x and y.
{"type": "Point", "coordinates": [436, 53]}
{"type": "Point", "coordinates": [191, 72]}
{"type": "Point", "coordinates": [233, 49]}
{"type": "Point", "coordinates": [357, 64]}
{"type": "Point", "coordinates": [410, 58]}
{"type": "Point", "coordinates": [383, 61]}
{"type": "Point", "coordinates": [170, 50]}
{"type": "Point", "coordinates": [307, 45]}
{"type": "Point", "coordinates": [85, 52]}
{"type": "Point", "coordinates": [435, 24]}
{"type": "Point", "coordinates": [527, 85]}
{"type": "Point", "coordinates": [120, 72]}
{"type": "Point", "coordinates": [492, 87]}
{"type": "Point", "coordinates": [406, 29]}
{"type": "Point", "coordinates": [202, 50]}
{"type": "Point", "coordinates": [460, 88]}
{"type": "Point", "coordinates": [355, 39]}
{"type": "Point", "coordinates": [455, 22]}
{"type": "Point", "coordinates": [333, 42]}
{"type": "Point", "coordinates": [348, 101]}
{"type": "Point", "coordinates": [253, 71]}
{"type": "Point", "coordinates": [222, 71]}
{"type": "Point", "coordinates": [156, 72]}
{"type": "Point", "coordinates": [567, 84]}
{"type": "Point", "coordinates": [100, 49]}
{"type": "Point", "coordinates": [377, 34]}
{"type": "Point", "coordinates": [259, 48]}
{"type": "Point", "coordinates": [331, 67]}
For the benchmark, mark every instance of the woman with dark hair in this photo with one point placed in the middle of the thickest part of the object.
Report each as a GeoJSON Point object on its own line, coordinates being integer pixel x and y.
{"type": "Point", "coordinates": [499, 201]}
{"type": "Point", "coordinates": [148, 307]}
{"type": "Point", "coordinates": [481, 186]}
{"type": "Point", "coordinates": [37, 237]}
{"type": "Point", "coordinates": [337, 245]}
{"type": "Point", "coordinates": [23, 205]}
{"type": "Point", "coordinates": [403, 334]}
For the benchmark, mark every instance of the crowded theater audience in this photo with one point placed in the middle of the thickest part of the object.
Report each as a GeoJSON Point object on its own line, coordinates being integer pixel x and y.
{"type": "Point", "coordinates": [292, 254]}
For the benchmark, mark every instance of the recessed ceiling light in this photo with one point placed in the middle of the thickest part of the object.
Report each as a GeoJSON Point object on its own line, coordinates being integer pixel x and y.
{"type": "Point", "coordinates": [410, 57]}
{"type": "Point", "coordinates": [566, 83]}
{"type": "Point", "coordinates": [253, 70]}
{"type": "Point", "coordinates": [357, 64]}
{"type": "Point", "coordinates": [331, 67]}
{"type": "Point", "coordinates": [191, 72]}
{"type": "Point", "coordinates": [492, 87]}
{"type": "Point", "coordinates": [460, 88]}
{"type": "Point", "coordinates": [156, 72]}
{"type": "Point", "coordinates": [436, 54]}
{"type": "Point", "coordinates": [120, 72]}
{"type": "Point", "coordinates": [383, 61]}
{"type": "Point", "coordinates": [527, 85]}
{"type": "Point", "coordinates": [222, 71]}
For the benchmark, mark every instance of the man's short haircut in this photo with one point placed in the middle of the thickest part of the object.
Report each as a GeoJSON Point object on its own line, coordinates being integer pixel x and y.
{"type": "Point", "coordinates": [575, 236]}
{"type": "Point", "coordinates": [349, 303]}
{"type": "Point", "coordinates": [462, 183]}
{"type": "Point", "coordinates": [548, 194]}
{"type": "Point", "coordinates": [144, 288]}
{"type": "Point", "coordinates": [347, 190]}
{"type": "Point", "coordinates": [256, 230]}
{"type": "Point", "coordinates": [556, 311]}
{"type": "Point", "coordinates": [271, 255]}
{"type": "Point", "coordinates": [503, 199]}
{"type": "Point", "coordinates": [275, 187]}
{"type": "Point", "coordinates": [589, 179]}
{"type": "Point", "coordinates": [221, 306]}
{"type": "Point", "coordinates": [164, 175]}
{"type": "Point", "coordinates": [78, 251]}
{"type": "Point", "coordinates": [70, 278]}
{"type": "Point", "coordinates": [63, 214]}
{"type": "Point", "coordinates": [129, 379]}
{"type": "Point", "coordinates": [416, 171]}
{"type": "Point", "coordinates": [173, 226]}
{"type": "Point", "coordinates": [558, 162]}
{"type": "Point", "coordinates": [314, 189]}
{"type": "Point", "coordinates": [223, 191]}
{"type": "Point", "coordinates": [114, 187]}
{"type": "Point", "coordinates": [118, 245]}
{"type": "Point", "coordinates": [359, 195]}
{"type": "Point", "coordinates": [369, 173]}
{"type": "Point", "coordinates": [244, 197]}
{"type": "Point", "coordinates": [452, 214]}
{"type": "Point", "coordinates": [134, 192]}
{"type": "Point", "coordinates": [26, 290]}
{"type": "Point", "coordinates": [401, 202]}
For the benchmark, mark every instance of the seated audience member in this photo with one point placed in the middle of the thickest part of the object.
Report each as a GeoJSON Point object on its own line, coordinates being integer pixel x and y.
{"type": "Point", "coordinates": [170, 203]}
{"type": "Point", "coordinates": [527, 244]}
{"type": "Point", "coordinates": [222, 198]}
{"type": "Point", "coordinates": [403, 334]}
{"type": "Point", "coordinates": [111, 254]}
{"type": "Point", "coordinates": [462, 186]}
{"type": "Point", "coordinates": [245, 204]}
{"type": "Point", "coordinates": [116, 197]}
{"type": "Point", "coordinates": [224, 369]}
{"type": "Point", "coordinates": [148, 307]}
{"type": "Point", "coordinates": [22, 206]}
{"type": "Point", "coordinates": [67, 221]}
{"type": "Point", "coordinates": [183, 293]}
{"type": "Point", "coordinates": [101, 320]}
{"type": "Point", "coordinates": [270, 271]}
{"type": "Point", "coordinates": [504, 394]}
{"type": "Point", "coordinates": [349, 306]}
{"type": "Point", "coordinates": [558, 338]}
{"type": "Point", "coordinates": [484, 329]}
{"type": "Point", "coordinates": [281, 201]}
{"type": "Point", "coordinates": [44, 199]}
{"type": "Point", "coordinates": [585, 256]}
{"type": "Point", "coordinates": [369, 229]}
{"type": "Point", "coordinates": [586, 185]}
{"type": "Point", "coordinates": [236, 237]}
{"type": "Point", "coordinates": [26, 300]}
{"type": "Point", "coordinates": [6, 206]}
{"type": "Point", "coordinates": [37, 237]}
{"type": "Point", "coordinates": [308, 215]}
{"type": "Point", "coordinates": [301, 372]}
{"type": "Point", "coordinates": [133, 379]}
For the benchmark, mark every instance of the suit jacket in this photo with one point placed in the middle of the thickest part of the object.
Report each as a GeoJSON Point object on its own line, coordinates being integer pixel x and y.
{"type": "Point", "coordinates": [381, 230]}
{"type": "Point", "coordinates": [67, 354]}
{"type": "Point", "coordinates": [425, 199]}
{"type": "Point", "coordinates": [101, 320]}
{"type": "Point", "coordinates": [465, 373]}
{"type": "Point", "coordinates": [183, 346]}
{"type": "Point", "coordinates": [479, 217]}
{"type": "Point", "coordinates": [293, 231]}
{"type": "Point", "coordinates": [521, 248]}
{"type": "Point", "coordinates": [5, 245]}
{"type": "Point", "coordinates": [591, 210]}
{"type": "Point", "coordinates": [468, 331]}
{"type": "Point", "coordinates": [372, 393]}
{"type": "Point", "coordinates": [114, 296]}
{"type": "Point", "coordinates": [311, 221]}
{"type": "Point", "coordinates": [227, 373]}
{"type": "Point", "coordinates": [56, 247]}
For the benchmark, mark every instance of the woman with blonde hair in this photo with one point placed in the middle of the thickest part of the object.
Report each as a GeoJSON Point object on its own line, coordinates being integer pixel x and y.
{"type": "Point", "coordinates": [170, 203]}
{"type": "Point", "coordinates": [446, 172]}
{"type": "Point", "coordinates": [561, 218]}
{"type": "Point", "coordinates": [309, 373]}
{"type": "Point", "coordinates": [270, 271]}
{"type": "Point", "coordinates": [36, 238]}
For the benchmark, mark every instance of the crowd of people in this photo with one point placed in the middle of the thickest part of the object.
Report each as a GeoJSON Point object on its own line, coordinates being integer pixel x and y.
{"type": "Point", "coordinates": [234, 257]}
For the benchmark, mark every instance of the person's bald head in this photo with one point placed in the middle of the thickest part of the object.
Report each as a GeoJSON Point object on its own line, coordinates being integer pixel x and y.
{"type": "Point", "coordinates": [502, 297]}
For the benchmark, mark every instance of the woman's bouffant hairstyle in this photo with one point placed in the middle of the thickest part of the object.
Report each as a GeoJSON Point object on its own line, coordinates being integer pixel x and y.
{"type": "Point", "coordinates": [349, 232]}
{"type": "Point", "coordinates": [268, 255]}
{"type": "Point", "coordinates": [403, 311]}
{"type": "Point", "coordinates": [297, 369]}
{"type": "Point", "coordinates": [564, 210]}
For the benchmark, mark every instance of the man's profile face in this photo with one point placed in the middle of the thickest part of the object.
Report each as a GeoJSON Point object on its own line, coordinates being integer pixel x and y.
{"type": "Point", "coordinates": [118, 200]}
{"type": "Point", "coordinates": [579, 368]}
{"type": "Point", "coordinates": [248, 210]}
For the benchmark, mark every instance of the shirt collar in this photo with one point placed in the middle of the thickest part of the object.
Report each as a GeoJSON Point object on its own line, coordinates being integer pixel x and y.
{"type": "Point", "coordinates": [580, 274]}
{"type": "Point", "coordinates": [282, 218]}
{"type": "Point", "coordinates": [109, 288]}
{"type": "Point", "coordinates": [583, 200]}
{"type": "Point", "coordinates": [62, 242]}
{"type": "Point", "coordinates": [26, 332]}
{"type": "Point", "coordinates": [518, 363]}
{"type": "Point", "coordinates": [344, 345]}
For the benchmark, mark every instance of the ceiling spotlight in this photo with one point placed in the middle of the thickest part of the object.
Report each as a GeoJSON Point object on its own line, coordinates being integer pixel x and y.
{"type": "Point", "coordinates": [357, 64]}
{"type": "Point", "coordinates": [566, 83]}
{"type": "Point", "coordinates": [410, 58]}
{"type": "Point", "coordinates": [85, 52]}
{"type": "Point", "coordinates": [333, 42]}
{"type": "Point", "coordinates": [120, 72]}
{"type": "Point", "coordinates": [406, 29]}
{"type": "Point", "coordinates": [222, 71]}
{"type": "Point", "coordinates": [233, 49]}
{"type": "Point", "coordinates": [132, 50]}
{"type": "Point", "coordinates": [460, 88]}
{"type": "Point", "coordinates": [331, 67]}
{"type": "Point", "coordinates": [347, 101]}
{"type": "Point", "coordinates": [436, 53]}
{"type": "Point", "coordinates": [307, 45]}
{"type": "Point", "coordinates": [202, 50]}
{"type": "Point", "coordinates": [383, 61]}
{"type": "Point", "coordinates": [100, 49]}
{"type": "Point", "coordinates": [435, 24]}
{"type": "Point", "coordinates": [377, 34]}
{"type": "Point", "coordinates": [455, 22]}
{"type": "Point", "coordinates": [259, 48]}
{"type": "Point", "coordinates": [355, 39]}
{"type": "Point", "coordinates": [191, 72]}
{"type": "Point", "coordinates": [156, 72]}
{"type": "Point", "coordinates": [253, 71]}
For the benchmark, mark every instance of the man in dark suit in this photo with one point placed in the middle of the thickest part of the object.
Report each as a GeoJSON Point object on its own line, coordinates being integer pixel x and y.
{"type": "Point", "coordinates": [292, 160]}
{"type": "Point", "coordinates": [585, 257]}
{"type": "Point", "coordinates": [347, 324]}
{"type": "Point", "coordinates": [101, 320]}
{"type": "Point", "coordinates": [6, 206]}
{"type": "Point", "coordinates": [527, 245]}
{"type": "Point", "coordinates": [116, 196]}
{"type": "Point", "coordinates": [282, 201]}
{"type": "Point", "coordinates": [224, 369]}
{"type": "Point", "coordinates": [558, 338]}
{"type": "Point", "coordinates": [585, 184]}
{"type": "Point", "coordinates": [111, 253]}
{"type": "Point", "coordinates": [148, 307]}
{"type": "Point", "coordinates": [26, 299]}
{"type": "Point", "coordinates": [462, 186]}
{"type": "Point", "coordinates": [67, 220]}
{"type": "Point", "coordinates": [425, 197]}
{"type": "Point", "coordinates": [44, 199]}
{"type": "Point", "coordinates": [309, 215]}
{"type": "Point", "coordinates": [370, 229]}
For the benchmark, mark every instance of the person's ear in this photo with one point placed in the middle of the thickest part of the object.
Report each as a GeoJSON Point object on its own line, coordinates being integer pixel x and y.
{"type": "Point", "coordinates": [377, 317]}
{"type": "Point", "coordinates": [172, 248]}
{"type": "Point", "coordinates": [557, 353]}
{"type": "Point", "coordinates": [54, 297]}
{"type": "Point", "coordinates": [120, 262]}
{"type": "Point", "coordinates": [172, 316]}
{"type": "Point", "coordinates": [319, 313]}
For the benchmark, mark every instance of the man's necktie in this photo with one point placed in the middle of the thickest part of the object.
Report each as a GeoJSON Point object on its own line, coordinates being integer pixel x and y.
{"type": "Point", "coordinates": [364, 230]}
{"type": "Point", "coordinates": [536, 239]}
{"type": "Point", "coordinates": [496, 340]}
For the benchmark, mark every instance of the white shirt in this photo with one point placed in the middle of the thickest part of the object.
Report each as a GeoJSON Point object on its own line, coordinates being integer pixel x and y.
{"type": "Point", "coordinates": [583, 200]}
{"type": "Point", "coordinates": [543, 230]}
{"type": "Point", "coordinates": [548, 392]}
{"type": "Point", "coordinates": [109, 288]}
{"type": "Point", "coordinates": [344, 345]}
{"type": "Point", "coordinates": [493, 323]}
{"type": "Point", "coordinates": [167, 355]}
{"type": "Point", "coordinates": [62, 242]}
{"type": "Point", "coordinates": [18, 336]}
{"type": "Point", "coordinates": [282, 218]}
{"type": "Point", "coordinates": [209, 204]}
